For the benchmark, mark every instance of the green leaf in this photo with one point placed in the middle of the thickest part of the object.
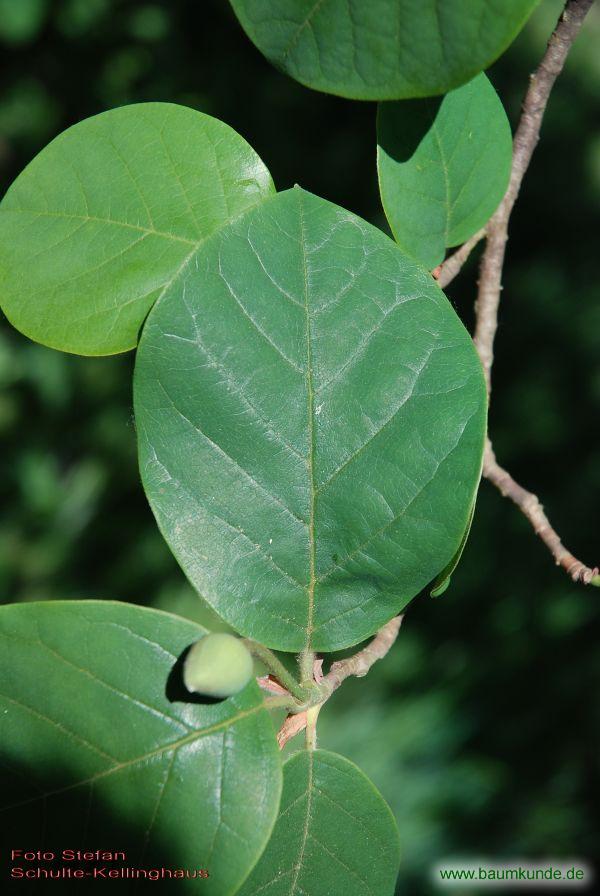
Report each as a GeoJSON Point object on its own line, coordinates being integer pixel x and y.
{"type": "Point", "coordinates": [310, 415]}
{"type": "Point", "coordinates": [96, 755]}
{"type": "Point", "coordinates": [382, 49]}
{"type": "Point", "coordinates": [443, 168]}
{"type": "Point", "coordinates": [102, 220]}
{"type": "Point", "coordinates": [335, 834]}
{"type": "Point", "coordinates": [442, 582]}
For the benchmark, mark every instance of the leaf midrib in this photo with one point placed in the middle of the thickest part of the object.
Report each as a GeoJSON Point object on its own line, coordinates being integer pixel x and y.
{"type": "Point", "coordinates": [446, 174]}
{"type": "Point", "coordinates": [305, 831]}
{"type": "Point", "coordinates": [311, 441]}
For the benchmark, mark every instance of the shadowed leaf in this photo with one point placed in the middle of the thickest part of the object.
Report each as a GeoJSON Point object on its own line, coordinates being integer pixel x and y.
{"type": "Point", "coordinates": [91, 745]}
{"type": "Point", "coordinates": [335, 834]}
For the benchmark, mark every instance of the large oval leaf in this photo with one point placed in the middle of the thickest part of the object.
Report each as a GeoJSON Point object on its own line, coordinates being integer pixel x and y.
{"type": "Point", "coordinates": [335, 834]}
{"type": "Point", "coordinates": [443, 168]}
{"type": "Point", "coordinates": [310, 415]}
{"type": "Point", "coordinates": [94, 755]}
{"type": "Point", "coordinates": [99, 224]}
{"type": "Point", "coordinates": [382, 49]}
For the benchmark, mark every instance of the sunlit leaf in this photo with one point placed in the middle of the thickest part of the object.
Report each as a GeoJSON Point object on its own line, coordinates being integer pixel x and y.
{"type": "Point", "coordinates": [310, 414]}
{"type": "Point", "coordinates": [102, 221]}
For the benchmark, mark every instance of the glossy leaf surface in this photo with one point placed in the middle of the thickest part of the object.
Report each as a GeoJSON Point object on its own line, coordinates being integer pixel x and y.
{"type": "Point", "coordinates": [94, 752]}
{"type": "Point", "coordinates": [443, 167]}
{"type": "Point", "coordinates": [335, 834]}
{"type": "Point", "coordinates": [310, 414]}
{"type": "Point", "coordinates": [382, 49]}
{"type": "Point", "coordinates": [101, 221]}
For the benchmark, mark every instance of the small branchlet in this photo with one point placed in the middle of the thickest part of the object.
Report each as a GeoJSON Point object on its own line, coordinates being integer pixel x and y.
{"type": "Point", "coordinates": [492, 263]}
{"type": "Point", "coordinates": [323, 686]}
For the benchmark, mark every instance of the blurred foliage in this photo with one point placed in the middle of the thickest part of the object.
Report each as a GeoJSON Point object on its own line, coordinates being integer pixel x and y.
{"type": "Point", "coordinates": [482, 727]}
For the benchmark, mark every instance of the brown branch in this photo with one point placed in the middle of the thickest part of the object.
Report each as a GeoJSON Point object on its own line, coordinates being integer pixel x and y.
{"type": "Point", "coordinates": [357, 665]}
{"type": "Point", "coordinates": [526, 138]}
{"type": "Point", "coordinates": [361, 662]}
{"type": "Point", "coordinates": [490, 275]}
{"type": "Point", "coordinates": [530, 505]}
{"type": "Point", "coordinates": [448, 269]}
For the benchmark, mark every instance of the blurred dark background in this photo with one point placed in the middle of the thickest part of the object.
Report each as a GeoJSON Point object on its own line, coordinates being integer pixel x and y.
{"type": "Point", "coordinates": [482, 727]}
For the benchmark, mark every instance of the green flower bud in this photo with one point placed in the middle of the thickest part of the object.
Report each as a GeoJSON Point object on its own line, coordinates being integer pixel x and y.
{"type": "Point", "coordinates": [218, 665]}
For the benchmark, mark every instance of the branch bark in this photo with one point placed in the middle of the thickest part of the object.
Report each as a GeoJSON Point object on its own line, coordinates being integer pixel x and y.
{"type": "Point", "coordinates": [447, 271]}
{"type": "Point", "coordinates": [492, 262]}
{"type": "Point", "coordinates": [357, 665]}
{"type": "Point", "coordinates": [526, 139]}
{"type": "Point", "coordinates": [530, 505]}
